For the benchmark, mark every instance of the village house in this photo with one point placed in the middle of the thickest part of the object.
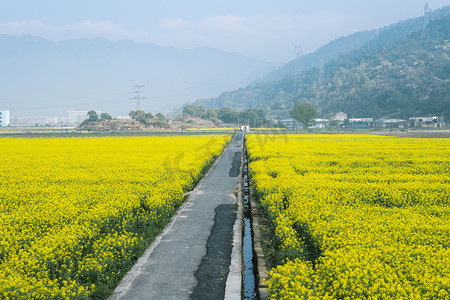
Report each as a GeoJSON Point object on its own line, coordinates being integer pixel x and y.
{"type": "Point", "coordinates": [340, 116]}
{"type": "Point", "coordinates": [392, 123]}
{"type": "Point", "coordinates": [362, 122]}
{"type": "Point", "coordinates": [426, 122]}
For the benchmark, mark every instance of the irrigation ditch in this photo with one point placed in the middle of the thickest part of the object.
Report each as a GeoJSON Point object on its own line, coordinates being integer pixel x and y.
{"type": "Point", "coordinates": [254, 269]}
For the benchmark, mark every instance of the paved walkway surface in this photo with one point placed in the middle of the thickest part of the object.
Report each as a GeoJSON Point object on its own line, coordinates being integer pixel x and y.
{"type": "Point", "coordinates": [191, 259]}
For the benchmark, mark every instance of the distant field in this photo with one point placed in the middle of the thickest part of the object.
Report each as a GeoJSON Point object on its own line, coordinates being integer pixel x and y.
{"type": "Point", "coordinates": [76, 213]}
{"type": "Point", "coordinates": [443, 134]}
{"type": "Point", "coordinates": [437, 133]}
{"type": "Point", "coordinates": [49, 133]}
{"type": "Point", "coordinates": [354, 216]}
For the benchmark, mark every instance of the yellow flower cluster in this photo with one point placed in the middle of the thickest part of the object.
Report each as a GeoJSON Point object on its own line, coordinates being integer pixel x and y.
{"type": "Point", "coordinates": [356, 216]}
{"type": "Point", "coordinates": [75, 213]}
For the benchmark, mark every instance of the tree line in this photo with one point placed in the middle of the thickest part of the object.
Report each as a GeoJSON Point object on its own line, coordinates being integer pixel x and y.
{"type": "Point", "coordinates": [147, 119]}
{"type": "Point", "coordinates": [253, 117]}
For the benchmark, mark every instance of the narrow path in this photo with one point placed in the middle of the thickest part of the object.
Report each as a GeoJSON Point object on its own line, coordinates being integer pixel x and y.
{"type": "Point", "coordinates": [191, 259]}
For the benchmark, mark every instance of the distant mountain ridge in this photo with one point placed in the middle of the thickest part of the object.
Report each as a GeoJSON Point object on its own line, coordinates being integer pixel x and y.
{"type": "Point", "coordinates": [322, 55]}
{"type": "Point", "coordinates": [360, 40]}
{"type": "Point", "coordinates": [401, 70]}
{"type": "Point", "coordinates": [42, 77]}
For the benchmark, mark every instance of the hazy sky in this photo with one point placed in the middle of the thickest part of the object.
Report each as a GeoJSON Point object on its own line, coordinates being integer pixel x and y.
{"type": "Point", "coordinates": [257, 28]}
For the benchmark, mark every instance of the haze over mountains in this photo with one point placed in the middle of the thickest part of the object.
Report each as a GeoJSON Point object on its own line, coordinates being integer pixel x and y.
{"type": "Point", "coordinates": [401, 69]}
{"type": "Point", "coordinates": [39, 77]}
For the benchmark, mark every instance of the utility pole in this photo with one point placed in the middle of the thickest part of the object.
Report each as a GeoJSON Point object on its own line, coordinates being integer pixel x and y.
{"type": "Point", "coordinates": [139, 98]}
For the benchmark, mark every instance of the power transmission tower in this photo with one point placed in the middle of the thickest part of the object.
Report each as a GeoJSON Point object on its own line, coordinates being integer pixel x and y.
{"type": "Point", "coordinates": [322, 73]}
{"type": "Point", "coordinates": [139, 98]}
{"type": "Point", "coordinates": [297, 71]}
{"type": "Point", "coordinates": [426, 16]}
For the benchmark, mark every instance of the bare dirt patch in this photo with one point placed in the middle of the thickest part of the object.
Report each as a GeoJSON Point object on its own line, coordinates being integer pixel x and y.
{"type": "Point", "coordinates": [441, 134]}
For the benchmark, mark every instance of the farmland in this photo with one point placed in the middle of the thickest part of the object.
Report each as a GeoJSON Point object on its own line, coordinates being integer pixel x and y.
{"type": "Point", "coordinates": [354, 216]}
{"type": "Point", "coordinates": [76, 213]}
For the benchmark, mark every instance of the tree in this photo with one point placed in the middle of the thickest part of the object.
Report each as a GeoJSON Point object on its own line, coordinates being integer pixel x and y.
{"type": "Point", "coordinates": [137, 115]}
{"type": "Point", "coordinates": [334, 124]}
{"type": "Point", "coordinates": [162, 124]}
{"type": "Point", "coordinates": [160, 117]}
{"type": "Point", "coordinates": [280, 124]}
{"type": "Point", "coordinates": [304, 113]}
{"type": "Point", "coordinates": [228, 114]}
{"type": "Point", "coordinates": [255, 117]}
{"type": "Point", "coordinates": [105, 116]}
{"type": "Point", "coordinates": [212, 113]}
{"type": "Point", "coordinates": [142, 117]}
{"type": "Point", "coordinates": [92, 116]}
{"type": "Point", "coordinates": [194, 111]}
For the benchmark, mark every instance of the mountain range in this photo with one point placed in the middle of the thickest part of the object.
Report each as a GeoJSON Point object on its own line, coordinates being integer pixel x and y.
{"type": "Point", "coordinates": [39, 77]}
{"type": "Point", "coordinates": [402, 70]}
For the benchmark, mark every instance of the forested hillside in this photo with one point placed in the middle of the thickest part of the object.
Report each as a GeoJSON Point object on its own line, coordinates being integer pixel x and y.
{"type": "Point", "coordinates": [402, 72]}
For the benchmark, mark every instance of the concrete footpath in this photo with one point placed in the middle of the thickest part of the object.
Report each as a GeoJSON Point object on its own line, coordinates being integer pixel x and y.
{"type": "Point", "coordinates": [191, 259]}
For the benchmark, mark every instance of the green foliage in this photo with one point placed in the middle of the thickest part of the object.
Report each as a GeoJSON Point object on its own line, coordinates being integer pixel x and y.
{"type": "Point", "coordinates": [228, 114]}
{"type": "Point", "coordinates": [404, 72]}
{"type": "Point", "coordinates": [105, 116]}
{"type": "Point", "coordinates": [142, 116]}
{"type": "Point", "coordinates": [212, 114]}
{"type": "Point", "coordinates": [255, 117]}
{"type": "Point", "coordinates": [162, 124]}
{"type": "Point", "coordinates": [137, 114]}
{"type": "Point", "coordinates": [334, 124]}
{"type": "Point", "coordinates": [160, 117]}
{"type": "Point", "coordinates": [149, 119]}
{"type": "Point", "coordinates": [92, 116]}
{"type": "Point", "coordinates": [304, 113]}
{"type": "Point", "coordinates": [280, 124]}
{"type": "Point", "coordinates": [195, 111]}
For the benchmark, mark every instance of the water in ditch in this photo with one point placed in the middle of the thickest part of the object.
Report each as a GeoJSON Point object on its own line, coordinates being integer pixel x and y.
{"type": "Point", "coordinates": [249, 279]}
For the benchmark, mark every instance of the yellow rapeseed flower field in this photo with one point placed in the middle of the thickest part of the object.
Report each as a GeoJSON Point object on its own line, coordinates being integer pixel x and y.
{"type": "Point", "coordinates": [75, 213]}
{"type": "Point", "coordinates": [355, 216]}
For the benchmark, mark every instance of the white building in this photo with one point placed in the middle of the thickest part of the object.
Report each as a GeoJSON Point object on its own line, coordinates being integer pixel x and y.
{"type": "Point", "coordinates": [123, 117]}
{"type": "Point", "coordinates": [291, 123]}
{"type": "Point", "coordinates": [393, 123]}
{"type": "Point", "coordinates": [426, 122]}
{"type": "Point", "coordinates": [340, 116]}
{"type": "Point", "coordinates": [76, 117]}
{"type": "Point", "coordinates": [52, 121]}
{"type": "Point", "coordinates": [245, 127]}
{"type": "Point", "coordinates": [4, 118]}
{"type": "Point", "coordinates": [360, 120]}
{"type": "Point", "coordinates": [32, 121]}
{"type": "Point", "coordinates": [321, 123]}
